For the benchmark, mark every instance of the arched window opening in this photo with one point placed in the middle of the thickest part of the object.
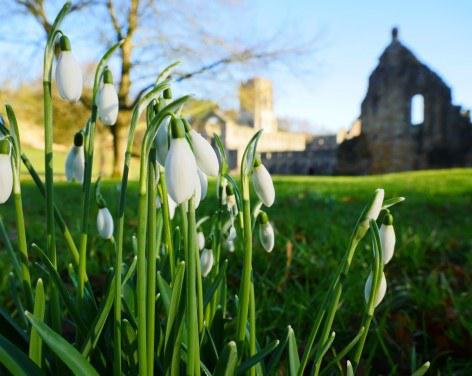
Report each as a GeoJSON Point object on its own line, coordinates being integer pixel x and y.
{"type": "Point", "coordinates": [417, 110]}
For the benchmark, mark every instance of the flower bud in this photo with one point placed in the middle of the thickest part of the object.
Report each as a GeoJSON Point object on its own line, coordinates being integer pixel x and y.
{"type": "Point", "coordinates": [75, 160]}
{"type": "Point", "coordinates": [266, 232]}
{"type": "Point", "coordinates": [68, 73]}
{"type": "Point", "coordinates": [263, 185]}
{"type": "Point", "coordinates": [200, 240]}
{"type": "Point", "coordinates": [108, 100]}
{"type": "Point", "coordinates": [206, 261]}
{"type": "Point", "coordinates": [380, 293]}
{"type": "Point", "coordinates": [204, 154]}
{"type": "Point", "coordinates": [6, 170]}
{"type": "Point", "coordinates": [180, 166]}
{"type": "Point", "coordinates": [198, 190]}
{"type": "Point", "coordinates": [376, 206]}
{"type": "Point", "coordinates": [104, 223]}
{"type": "Point", "coordinates": [387, 238]}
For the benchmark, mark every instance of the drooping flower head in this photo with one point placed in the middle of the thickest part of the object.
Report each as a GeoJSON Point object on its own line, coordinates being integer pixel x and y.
{"type": "Point", "coordinates": [262, 182]}
{"type": "Point", "coordinates": [105, 224]}
{"type": "Point", "coordinates": [200, 240]}
{"type": "Point", "coordinates": [180, 165]}
{"type": "Point", "coordinates": [206, 261]}
{"type": "Point", "coordinates": [68, 73]}
{"type": "Point", "coordinates": [75, 161]}
{"type": "Point", "coordinates": [231, 200]}
{"type": "Point", "coordinates": [203, 184]}
{"type": "Point", "coordinates": [108, 100]}
{"type": "Point", "coordinates": [266, 232]}
{"type": "Point", "coordinates": [6, 170]}
{"type": "Point", "coordinates": [380, 292]}
{"type": "Point", "coordinates": [387, 238]}
{"type": "Point", "coordinates": [205, 155]}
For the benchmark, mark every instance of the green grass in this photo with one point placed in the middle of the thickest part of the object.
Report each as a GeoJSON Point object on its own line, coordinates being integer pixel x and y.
{"type": "Point", "coordinates": [427, 310]}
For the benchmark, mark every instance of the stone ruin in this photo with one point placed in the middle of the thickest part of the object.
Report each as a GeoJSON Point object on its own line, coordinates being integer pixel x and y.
{"type": "Point", "coordinates": [407, 120]}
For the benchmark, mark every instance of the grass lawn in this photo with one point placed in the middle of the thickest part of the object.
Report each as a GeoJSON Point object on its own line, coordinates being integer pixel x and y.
{"type": "Point", "coordinates": [427, 313]}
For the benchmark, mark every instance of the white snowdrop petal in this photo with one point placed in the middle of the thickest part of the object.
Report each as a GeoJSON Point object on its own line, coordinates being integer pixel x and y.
{"type": "Point", "coordinates": [108, 104]}
{"type": "Point", "coordinates": [387, 239]}
{"type": "Point", "coordinates": [105, 223]}
{"type": "Point", "coordinates": [172, 206]}
{"type": "Point", "coordinates": [6, 177]}
{"type": "Point", "coordinates": [203, 184]}
{"type": "Point", "coordinates": [204, 154]}
{"type": "Point", "coordinates": [75, 164]}
{"type": "Point", "coordinates": [181, 170]}
{"type": "Point", "coordinates": [206, 261]}
{"type": "Point", "coordinates": [68, 77]}
{"type": "Point", "coordinates": [263, 185]}
{"type": "Point", "coordinates": [231, 234]}
{"type": "Point", "coordinates": [162, 142]}
{"type": "Point", "coordinates": [229, 246]}
{"type": "Point", "coordinates": [381, 291]}
{"type": "Point", "coordinates": [266, 236]}
{"type": "Point", "coordinates": [200, 240]}
{"type": "Point", "coordinates": [198, 190]}
{"type": "Point", "coordinates": [376, 206]}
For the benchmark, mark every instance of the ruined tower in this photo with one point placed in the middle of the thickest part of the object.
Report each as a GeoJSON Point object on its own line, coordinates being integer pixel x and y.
{"type": "Point", "coordinates": [408, 120]}
{"type": "Point", "coordinates": [256, 104]}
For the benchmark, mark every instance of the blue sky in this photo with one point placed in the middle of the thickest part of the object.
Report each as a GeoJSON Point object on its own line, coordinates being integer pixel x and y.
{"type": "Point", "coordinates": [351, 35]}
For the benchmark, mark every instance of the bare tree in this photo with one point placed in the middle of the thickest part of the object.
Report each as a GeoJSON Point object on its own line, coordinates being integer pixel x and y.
{"type": "Point", "coordinates": [153, 32]}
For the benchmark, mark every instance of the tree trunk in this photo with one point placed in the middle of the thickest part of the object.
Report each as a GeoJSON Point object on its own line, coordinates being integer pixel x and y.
{"type": "Point", "coordinates": [120, 134]}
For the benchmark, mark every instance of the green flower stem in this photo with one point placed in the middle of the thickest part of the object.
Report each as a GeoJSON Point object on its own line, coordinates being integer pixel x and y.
{"type": "Point", "coordinates": [89, 146]}
{"type": "Point", "coordinates": [117, 312]}
{"type": "Point", "coordinates": [22, 244]}
{"type": "Point", "coordinates": [152, 230]}
{"type": "Point", "coordinates": [57, 214]}
{"type": "Point", "coordinates": [333, 304]}
{"type": "Point", "coordinates": [142, 214]}
{"type": "Point", "coordinates": [252, 328]}
{"type": "Point", "coordinates": [376, 280]}
{"type": "Point", "coordinates": [193, 358]}
{"type": "Point", "coordinates": [247, 266]}
{"type": "Point", "coordinates": [141, 284]}
{"type": "Point", "coordinates": [48, 160]}
{"type": "Point", "coordinates": [199, 290]}
{"type": "Point", "coordinates": [167, 222]}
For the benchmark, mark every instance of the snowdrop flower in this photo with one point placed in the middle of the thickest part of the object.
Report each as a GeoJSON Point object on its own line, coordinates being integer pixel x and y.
{"type": "Point", "coordinates": [75, 161]}
{"type": "Point", "coordinates": [200, 240]}
{"type": "Point", "coordinates": [68, 73]}
{"type": "Point", "coordinates": [162, 141]}
{"type": "Point", "coordinates": [387, 238]}
{"type": "Point", "coordinates": [263, 185]}
{"type": "Point", "coordinates": [374, 210]}
{"type": "Point", "coordinates": [198, 190]}
{"type": "Point", "coordinates": [204, 154]}
{"type": "Point", "coordinates": [380, 293]}
{"type": "Point", "coordinates": [206, 261]}
{"type": "Point", "coordinates": [266, 232]}
{"type": "Point", "coordinates": [231, 200]}
{"type": "Point", "coordinates": [180, 165]}
{"type": "Point", "coordinates": [6, 170]}
{"type": "Point", "coordinates": [229, 245]}
{"type": "Point", "coordinates": [108, 100]}
{"type": "Point", "coordinates": [231, 234]}
{"type": "Point", "coordinates": [104, 223]}
{"type": "Point", "coordinates": [172, 205]}
{"type": "Point", "coordinates": [203, 184]}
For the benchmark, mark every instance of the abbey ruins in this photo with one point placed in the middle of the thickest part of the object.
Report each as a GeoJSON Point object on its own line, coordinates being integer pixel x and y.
{"type": "Point", "coordinates": [407, 122]}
